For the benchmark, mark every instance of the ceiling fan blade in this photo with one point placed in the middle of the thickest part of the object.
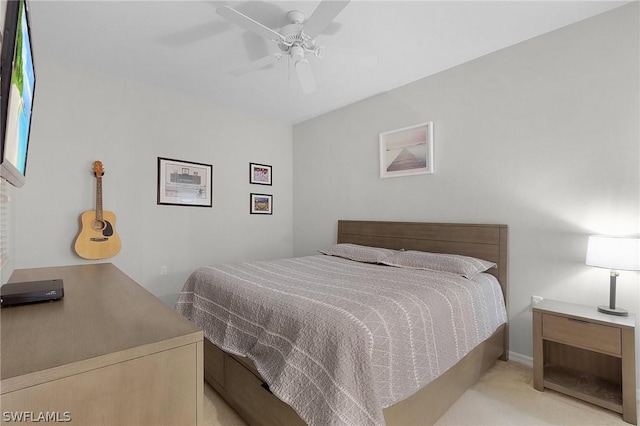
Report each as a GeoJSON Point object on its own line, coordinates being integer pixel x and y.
{"type": "Point", "coordinates": [268, 14]}
{"type": "Point", "coordinates": [332, 29]}
{"type": "Point", "coordinates": [323, 15]}
{"type": "Point", "coordinates": [305, 76]}
{"type": "Point", "coordinates": [255, 65]}
{"type": "Point", "coordinates": [248, 24]}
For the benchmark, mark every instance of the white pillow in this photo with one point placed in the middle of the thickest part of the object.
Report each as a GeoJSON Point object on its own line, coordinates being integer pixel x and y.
{"type": "Point", "coordinates": [456, 264]}
{"type": "Point", "coordinates": [358, 253]}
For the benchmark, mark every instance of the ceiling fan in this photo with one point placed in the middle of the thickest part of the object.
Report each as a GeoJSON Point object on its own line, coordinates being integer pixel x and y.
{"type": "Point", "coordinates": [295, 39]}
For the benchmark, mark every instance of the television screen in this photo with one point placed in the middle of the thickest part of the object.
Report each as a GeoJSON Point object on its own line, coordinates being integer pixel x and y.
{"type": "Point", "coordinates": [18, 84]}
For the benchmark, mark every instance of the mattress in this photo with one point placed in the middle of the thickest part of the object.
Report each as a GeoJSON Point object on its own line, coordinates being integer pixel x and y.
{"type": "Point", "coordinates": [340, 340]}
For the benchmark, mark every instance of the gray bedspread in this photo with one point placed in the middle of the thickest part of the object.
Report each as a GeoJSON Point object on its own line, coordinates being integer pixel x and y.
{"type": "Point", "coordinates": [340, 340]}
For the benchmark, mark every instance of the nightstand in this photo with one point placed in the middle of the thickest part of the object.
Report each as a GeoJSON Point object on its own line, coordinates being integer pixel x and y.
{"type": "Point", "coordinates": [586, 354]}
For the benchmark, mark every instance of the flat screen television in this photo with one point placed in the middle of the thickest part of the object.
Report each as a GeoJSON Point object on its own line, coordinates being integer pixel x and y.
{"type": "Point", "coordinates": [17, 86]}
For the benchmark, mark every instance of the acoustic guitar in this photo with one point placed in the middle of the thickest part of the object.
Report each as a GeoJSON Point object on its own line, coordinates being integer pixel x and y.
{"type": "Point", "coordinates": [98, 238]}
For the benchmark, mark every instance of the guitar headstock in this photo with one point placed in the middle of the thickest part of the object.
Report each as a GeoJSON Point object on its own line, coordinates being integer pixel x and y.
{"type": "Point", "coordinates": [97, 168]}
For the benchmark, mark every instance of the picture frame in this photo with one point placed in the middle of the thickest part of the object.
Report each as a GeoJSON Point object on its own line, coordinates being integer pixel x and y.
{"type": "Point", "coordinates": [184, 183]}
{"type": "Point", "coordinates": [260, 174]}
{"type": "Point", "coordinates": [260, 203]}
{"type": "Point", "coordinates": [407, 151]}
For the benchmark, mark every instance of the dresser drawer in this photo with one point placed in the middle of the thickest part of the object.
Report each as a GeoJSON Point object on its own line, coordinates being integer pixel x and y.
{"type": "Point", "coordinates": [584, 334]}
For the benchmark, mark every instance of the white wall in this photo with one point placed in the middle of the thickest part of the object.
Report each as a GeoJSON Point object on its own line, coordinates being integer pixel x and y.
{"type": "Point", "coordinates": [542, 136]}
{"type": "Point", "coordinates": [7, 231]}
{"type": "Point", "coordinates": [81, 116]}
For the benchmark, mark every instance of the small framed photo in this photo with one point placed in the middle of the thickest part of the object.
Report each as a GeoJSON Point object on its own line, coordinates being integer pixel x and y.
{"type": "Point", "coordinates": [261, 203]}
{"type": "Point", "coordinates": [259, 174]}
{"type": "Point", "coordinates": [407, 151]}
{"type": "Point", "coordinates": [184, 183]}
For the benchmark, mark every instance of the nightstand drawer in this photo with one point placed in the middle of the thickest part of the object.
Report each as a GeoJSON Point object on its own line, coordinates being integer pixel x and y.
{"type": "Point", "coordinates": [584, 334]}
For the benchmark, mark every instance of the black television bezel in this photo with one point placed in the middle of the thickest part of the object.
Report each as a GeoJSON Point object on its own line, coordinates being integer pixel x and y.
{"type": "Point", "coordinates": [9, 35]}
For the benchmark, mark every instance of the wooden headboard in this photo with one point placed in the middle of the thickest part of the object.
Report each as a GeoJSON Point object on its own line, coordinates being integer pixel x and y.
{"type": "Point", "coordinates": [487, 242]}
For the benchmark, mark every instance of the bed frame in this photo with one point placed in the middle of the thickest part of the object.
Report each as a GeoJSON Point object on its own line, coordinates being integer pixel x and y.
{"type": "Point", "coordinates": [239, 383]}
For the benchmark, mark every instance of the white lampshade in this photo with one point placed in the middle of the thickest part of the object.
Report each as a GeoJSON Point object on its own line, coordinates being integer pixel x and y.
{"type": "Point", "coordinates": [616, 253]}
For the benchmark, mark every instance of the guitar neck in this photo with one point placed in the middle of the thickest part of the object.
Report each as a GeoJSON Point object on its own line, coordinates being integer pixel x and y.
{"type": "Point", "coordinates": [99, 198]}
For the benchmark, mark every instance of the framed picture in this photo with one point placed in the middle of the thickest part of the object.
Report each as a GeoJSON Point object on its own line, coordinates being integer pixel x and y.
{"type": "Point", "coordinates": [407, 151]}
{"type": "Point", "coordinates": [259, 174]}
{"type": "Point", "coordinates": [261, 203]}
{"type": "Point", "coordinates": [184, 183]}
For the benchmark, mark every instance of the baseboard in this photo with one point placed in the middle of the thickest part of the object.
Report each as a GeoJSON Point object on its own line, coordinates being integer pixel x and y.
{"type": "Point", "coordinates": [521, 359]}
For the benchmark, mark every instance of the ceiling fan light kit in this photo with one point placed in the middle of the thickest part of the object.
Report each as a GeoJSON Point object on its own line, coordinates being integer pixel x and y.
{"type": "Point", "coordinates": [295, 39]}
{"type": "Point", "coordinates": [305, 76]}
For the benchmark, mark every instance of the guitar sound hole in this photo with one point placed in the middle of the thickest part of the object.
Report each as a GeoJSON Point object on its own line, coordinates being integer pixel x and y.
{"type": "Point", "coordinates": [98, 225]}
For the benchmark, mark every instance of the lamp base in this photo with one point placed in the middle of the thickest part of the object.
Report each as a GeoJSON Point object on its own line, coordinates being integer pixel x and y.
{"type": "Point", "coordinates": [615, 311]}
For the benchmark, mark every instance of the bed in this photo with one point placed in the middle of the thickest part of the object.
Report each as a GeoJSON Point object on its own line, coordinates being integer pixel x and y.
{"type": "Point", "coordinates": [286, 341]}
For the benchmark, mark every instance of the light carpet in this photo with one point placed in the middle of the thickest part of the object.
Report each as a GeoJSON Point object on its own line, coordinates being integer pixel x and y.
{"type": "Point", "coordinates": [504, 395]}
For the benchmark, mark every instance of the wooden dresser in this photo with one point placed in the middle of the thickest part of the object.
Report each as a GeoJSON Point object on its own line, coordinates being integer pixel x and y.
{"type": "Point", "coordinates": [108, 353]}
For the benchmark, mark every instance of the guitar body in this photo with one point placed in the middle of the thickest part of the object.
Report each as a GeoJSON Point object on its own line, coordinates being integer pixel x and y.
{"type": "Point", "coordinates": [97, 239]}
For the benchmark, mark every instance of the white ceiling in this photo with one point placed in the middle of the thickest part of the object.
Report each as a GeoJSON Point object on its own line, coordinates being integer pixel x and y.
{"type": "Point", "coordinates": [186, 46]}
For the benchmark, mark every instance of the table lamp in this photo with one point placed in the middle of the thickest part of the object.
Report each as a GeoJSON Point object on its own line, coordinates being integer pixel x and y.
{"type": "Point", "coordinates": [614, 253]}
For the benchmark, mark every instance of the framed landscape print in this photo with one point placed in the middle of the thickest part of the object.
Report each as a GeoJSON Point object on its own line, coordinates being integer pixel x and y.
{"type": "Point", "coordinates": [261, 203]}
{"type": "Point", "coordinates": [259, 174]}
{"type": "Point", "coordinates": [184, 183]}
{"type": "Point", "coordinates": [407, 151]}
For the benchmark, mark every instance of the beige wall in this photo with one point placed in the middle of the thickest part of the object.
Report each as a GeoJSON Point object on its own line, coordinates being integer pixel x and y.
{"type": "Point", "coordinates": [542, 136]}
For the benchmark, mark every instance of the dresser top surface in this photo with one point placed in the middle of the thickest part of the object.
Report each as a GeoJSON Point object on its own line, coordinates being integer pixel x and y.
{"type": "Point", "coordinates": [103, 311]}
